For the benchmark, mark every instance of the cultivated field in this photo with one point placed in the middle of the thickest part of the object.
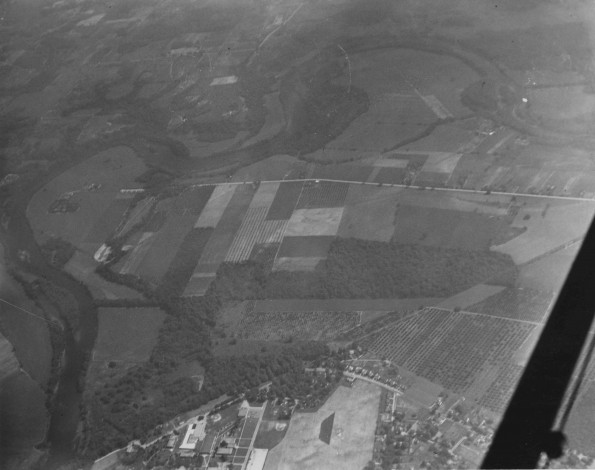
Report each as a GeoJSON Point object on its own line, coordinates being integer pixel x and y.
{"type": "Point", "coordinates": [298, 247]}
{"type": "Point", "coordinates": [215, 206]}
{"type": "Point", "coordinates": [352, 437]}
{"type": "Point", "coordinates": [285, 201]}
{"type": "Point", "coordinates": [314, 222]}
{"type": "Point", "coordinates": [181, 213]}
{"type": "Point", "coordinates": [217, 247]}
{"type": "Point", "coordinates": [322, 195]}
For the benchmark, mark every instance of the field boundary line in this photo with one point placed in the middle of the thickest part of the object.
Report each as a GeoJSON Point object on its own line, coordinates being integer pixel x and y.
{"type": "Point", "coordinates": [466, 312]}
{"type": "Point", "coordinates": [421, 188]}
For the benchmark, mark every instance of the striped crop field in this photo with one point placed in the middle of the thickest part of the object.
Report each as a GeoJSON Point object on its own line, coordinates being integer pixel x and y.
{"type": "Point", "coordinates": [323, 194]}
{"type": "Point", "coordinates": [255, 229]}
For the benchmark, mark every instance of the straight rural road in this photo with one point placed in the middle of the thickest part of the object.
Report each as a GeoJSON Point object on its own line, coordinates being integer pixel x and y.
{"type": "Point", "coordinates": [404, 186]}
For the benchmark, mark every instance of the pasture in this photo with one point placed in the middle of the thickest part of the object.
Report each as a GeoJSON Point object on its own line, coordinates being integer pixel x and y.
{"type": "Point", "coordinates": [127, 335]}
{"type": "Point", "coordinates": [445, 138]}
{"type": "Point", "coordinates": [352, 437]}
{"type": "Point", "coordinates": [548, 273]}
{"type": "Point", "coordinates": [449, 228]}
{"type": "Point", "coordinates": [345, 172]}
{"type": "Point", "coordinates": [109, 220]}
{"type": "Point", "coordinates": [549, 226]}
{"type": "Point", "coordinates": [110, 171]}
{"type": "Point", "coordinates": [470, 296]}
{"type": "Point", "coordinates": [369, 213]}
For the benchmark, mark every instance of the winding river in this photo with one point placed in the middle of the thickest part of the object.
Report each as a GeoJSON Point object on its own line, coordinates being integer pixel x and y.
{"type": "Point", "coordinates": [79, 343]}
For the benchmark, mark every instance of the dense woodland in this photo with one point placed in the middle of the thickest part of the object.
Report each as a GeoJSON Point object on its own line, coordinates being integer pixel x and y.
{"type": "Point", "coordinates": [369, 269]}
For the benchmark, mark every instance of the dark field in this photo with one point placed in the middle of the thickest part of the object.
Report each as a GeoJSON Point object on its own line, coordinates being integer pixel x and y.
{"type": "Point", "coordinates": [285, 200]}
{"type": "Point", "coordinates": [313, 246]}
{"type": "Point", "coordinates": [392, 176]}
{"type": "Point", "coordinates": [346, 172]}
{"type": "Point", "coordinates": [182, 266]}
{"type": "Point", "coordinates": [450, 228]}
{"type": "Point", "coordinates": [326, 429]}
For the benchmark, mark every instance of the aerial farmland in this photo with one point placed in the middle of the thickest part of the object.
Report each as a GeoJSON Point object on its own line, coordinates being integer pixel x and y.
{"type": "Point", "coordinates": [308, 234]}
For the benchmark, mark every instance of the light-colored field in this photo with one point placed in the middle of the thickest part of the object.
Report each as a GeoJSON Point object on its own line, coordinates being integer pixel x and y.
{"type": "Point", "coordinates": [562, 103]}
{"type": "Point", "coordinates": [302, 263]}
{"type": "Point", "coordinates": [441, 162]}
{"type": "Point", "coordinates": [127, 334]}
{"type": "Point", "coordinates": [436, 106]}
{"type": "Point", "coordinates": [389, 121]}
{"type": "Point", "coordinates": [319, 221]}
{"type": "Point", "coordinates": [481, 203]}
{"type": "Point", "coordinates": [549, 272]}
{"type": "Point", "coordinates": [352, 438]}
{"type": "Point", "coordinates": [265, 194]}
{"type": "Point", "coordinates": [561, 224]}
{"type": "Point", "coordinates": [369, 213]}
{"type": "Point", "coordinates": [215, 206]}
{"type": "Point", "coordinates": [471, 296]}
